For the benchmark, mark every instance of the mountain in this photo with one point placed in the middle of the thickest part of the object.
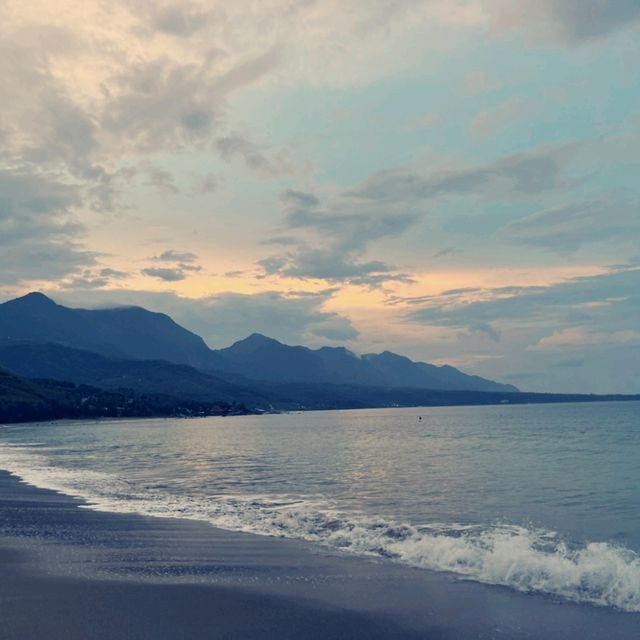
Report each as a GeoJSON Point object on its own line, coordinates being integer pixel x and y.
{"type": "Point", "coordinates": [126, 332]}
{"type": "Point", "coordinates": [133, 333]}
{"type": "Point", "coordinates": [260, 358]}
{"type": "Point", "coordinates": [399, 371]}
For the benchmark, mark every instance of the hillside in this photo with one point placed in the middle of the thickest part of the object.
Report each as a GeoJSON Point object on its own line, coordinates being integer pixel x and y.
{"type": "Point", "coordinates": [29, 400]}
{"type": "Point", "coordinates": [58, 362]}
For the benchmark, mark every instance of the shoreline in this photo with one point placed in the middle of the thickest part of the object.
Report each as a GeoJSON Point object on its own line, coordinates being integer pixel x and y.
{"type": "Point", "coordinates": [105, 575]}
{"type": "Point", "coordinates": [596, 400]}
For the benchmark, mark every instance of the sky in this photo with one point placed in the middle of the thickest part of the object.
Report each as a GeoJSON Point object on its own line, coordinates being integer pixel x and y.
{"type": "Point", "coordinates": [452, 180]}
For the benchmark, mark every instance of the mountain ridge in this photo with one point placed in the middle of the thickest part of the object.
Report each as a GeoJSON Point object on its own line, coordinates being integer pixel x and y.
{"type": "Point", "coordinates": [135, 333]}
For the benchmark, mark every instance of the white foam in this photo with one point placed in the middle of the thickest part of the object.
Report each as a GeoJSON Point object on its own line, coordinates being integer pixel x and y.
{"type": "Point", "coordinates": [525, 559]}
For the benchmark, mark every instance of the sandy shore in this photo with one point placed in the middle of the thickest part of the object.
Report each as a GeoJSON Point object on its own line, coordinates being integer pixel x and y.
{"type": "Point", "coordinates": [68, 572]}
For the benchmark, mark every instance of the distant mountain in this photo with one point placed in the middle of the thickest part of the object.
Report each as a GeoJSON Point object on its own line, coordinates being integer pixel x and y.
{"type": "Point", "coordinates": [126, 332]}
{"type": "Point", "coordinates": [261, 358]}
{"type": "Point", "coordinates": [133, 333]}
{"type": "Point", "coordinates": [399, 371]}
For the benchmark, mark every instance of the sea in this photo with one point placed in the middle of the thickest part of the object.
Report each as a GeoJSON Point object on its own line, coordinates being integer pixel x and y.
{"type": "Point", "coordinates": [536, 498]}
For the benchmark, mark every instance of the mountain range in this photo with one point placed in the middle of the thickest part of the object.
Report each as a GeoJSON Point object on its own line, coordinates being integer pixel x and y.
{"type": "Point", "coordinates": [40, 338]}
{"type": "Point", "coordinates": [60, 362]}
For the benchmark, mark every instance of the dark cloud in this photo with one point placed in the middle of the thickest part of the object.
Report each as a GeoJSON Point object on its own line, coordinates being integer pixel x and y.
{"type": "Point", "coordinates": [152, 105]}
{"type": "Point", "coordinates": [444, 252]}
{"type": "Point", "coordinates": [205, 184]}
{"type": "Point", "coordinates": [331, 238]}
{"type": "Point", "coordinates": [39, 234]}
{"type": "Point", "coordinates": [332, 265]}
{"type": "Point", "coordinates": [457, 292]}
{"type": "Point", "coordinates": [293, 199]}
{"type": "Point", "coordinates": [486, 329]}
{"type": "Point", "coordinates": [182, 19]}
{"type": "Point", "coordinates": [519, 174]}
{"type": "Point", "coordinates": [179, 265]}
{"type": "Point", "coordinates": [93, 278]}
{"type": "Point", "coordinates": [165, 273]}
{"type": "Point", "coordinates": [162, 180]}
{"type": "Point", "coordinates": [107, 272]}
{"type": "Point", "coordinates": [295, 318]}
{"type": "Point", "coordinates": [259, 158]}
{"type": "Point", "coordinates": [281, 240]}
{"type": "Point", "coordinates": [330, 243]}
{"type": "Point", "coordinates": [171, 255]}
{"type": "Point", "coordinates": [353, 229]}
{"type": "Point", "coordinates": [163, 104]}
{"type": "Point", "coordinates": [46, 125]}
{"type": "Point", "coordinates": [569, 227]}
{"type": "Point", "coordinates": [609, 302]}
{"type": "Point", "coordinates": [569, 21]}
{"type": "Point", "coordinates": [292, 318]}
{"type": "Point", "coordinates": [194, 268]}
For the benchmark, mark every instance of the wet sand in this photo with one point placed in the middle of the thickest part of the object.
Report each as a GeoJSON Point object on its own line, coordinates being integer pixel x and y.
{"type": "Point", "coordinates": [69, 572]}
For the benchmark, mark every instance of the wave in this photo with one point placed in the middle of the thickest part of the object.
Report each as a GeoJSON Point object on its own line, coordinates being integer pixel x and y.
{"type": "Point", "coordinates": [526, 559]}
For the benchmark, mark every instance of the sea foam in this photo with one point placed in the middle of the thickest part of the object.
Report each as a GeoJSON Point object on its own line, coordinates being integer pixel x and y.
{"type": "Point", "coordinates": [525, 559]}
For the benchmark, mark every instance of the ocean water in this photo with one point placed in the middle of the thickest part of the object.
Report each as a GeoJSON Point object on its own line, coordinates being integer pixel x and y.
{"type": "Point", "coordinates": [539, 498]}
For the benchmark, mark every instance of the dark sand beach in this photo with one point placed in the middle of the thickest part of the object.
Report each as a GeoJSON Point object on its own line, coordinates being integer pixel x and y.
{"type": "Point", "coordinates": [69, 572]}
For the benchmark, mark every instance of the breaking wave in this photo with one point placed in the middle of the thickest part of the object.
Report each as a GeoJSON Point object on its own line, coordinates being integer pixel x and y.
{"type": "Point", "coordinates": [525, 559]}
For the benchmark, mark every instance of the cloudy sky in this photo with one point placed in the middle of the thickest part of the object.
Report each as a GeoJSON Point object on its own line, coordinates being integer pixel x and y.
{"type": "Point", "coordinates": [455, 180]}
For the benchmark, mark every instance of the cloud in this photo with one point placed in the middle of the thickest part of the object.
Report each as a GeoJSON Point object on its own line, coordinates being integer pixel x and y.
{"type": "Point", "coordinates": [182, 264]}
{"type": "Point", "coordinates": [39, 233]}
{"type": "Point", "coordinates": [579, 337]}
{"type": "Point", "coordinates": [165, 273]}
{"type": "Point", "coordinates": [161, 103]}
{"type": "Point", "coordinates": [259, 158]}
{"type": "Point", "coordinates": [171, 255]}
{"type": "Point", "coordinates": [94, 277]}
{"type": "Point", "coordinates": [608, 302]}
{"type": "Point", "coordinates": [329, 241]}
{"type": "Point", "coordinates": [518, 174]}
{"type": "Point", "coordinates": [297, 317]}
{"type": "Point", "coordinates": [443, 253]}
{"type": "Point", "coordinates": [205, 184]}
{"type": "Point", "coordinates": [569, 227]}
{"type": "Point", "coordinates": [181, 20]}
{"type": "Point", "coordinates": [489, 122]}
{"type": "Point", "coordinates": [162, 180]}
{"type": "Point", "coordinates": [330, 238]}
{"type": "Point", "coordinates": [566, 21]}
{"type": "Point", "coordinates": [107, 272]}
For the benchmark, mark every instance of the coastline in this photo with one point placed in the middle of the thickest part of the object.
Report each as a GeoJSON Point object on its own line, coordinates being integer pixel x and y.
{"type": "Point", "coordinates": [106, 575]}
{"type": "Point", "coordinates": [561, 399]}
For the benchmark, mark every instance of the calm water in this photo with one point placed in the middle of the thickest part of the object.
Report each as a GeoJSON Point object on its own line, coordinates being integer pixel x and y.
{"type": "Point", "coordinates": [540, 498]}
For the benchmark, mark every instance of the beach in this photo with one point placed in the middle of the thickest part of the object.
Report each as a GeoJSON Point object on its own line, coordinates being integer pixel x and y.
{"type": "Point", "coordinates": [70, 572]}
